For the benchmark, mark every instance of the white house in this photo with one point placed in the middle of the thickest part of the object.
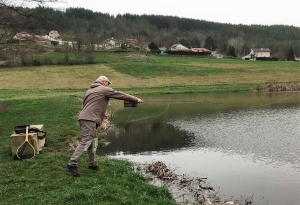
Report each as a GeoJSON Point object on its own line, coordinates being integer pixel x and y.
{"type": "Point", "coordinates": [54, 34]}
{"type": "Point", "coordinates": [112, 43]}
{"type": "Point", "coordinates": [179, 47]}
{"type": "Point", "coordinates": [216, 55]}
{"type": "Point", "coordinates": [261, 52]}
{"type": "Point", "coordinates": [201, 50]}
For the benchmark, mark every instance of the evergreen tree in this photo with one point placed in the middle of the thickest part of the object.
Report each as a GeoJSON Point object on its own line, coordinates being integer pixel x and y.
{"type": "Point", "coordinates": [184, 42]}
{"type": "Point", "coordinates": [231, 51]}
{"type": "Point", "coordinates": [194, 42]}
{"type": "Point", "coordinates": [224, 48]}
{"type": "Point", "coordinates": [153, 46]}
{"type": "Point", "coordinates": [291, 55]}
{"type": "Point", "coordinates": [210, 43]}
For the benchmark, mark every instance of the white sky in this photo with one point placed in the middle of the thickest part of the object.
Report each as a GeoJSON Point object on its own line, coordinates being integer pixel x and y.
{"type": "Point", "coordinates": [263, 12]}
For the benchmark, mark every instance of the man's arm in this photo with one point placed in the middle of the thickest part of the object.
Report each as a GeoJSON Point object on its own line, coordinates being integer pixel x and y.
{"type": "Point", "coordinates": [122, 96]}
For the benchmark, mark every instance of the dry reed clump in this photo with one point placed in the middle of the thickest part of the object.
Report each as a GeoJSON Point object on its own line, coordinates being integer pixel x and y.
{"type": "Point", "coordinates": [106, 124]}
{"type": "Point", "coordinates": [161, 171]}
{"type": "Point", "coordinates": [279, 88]}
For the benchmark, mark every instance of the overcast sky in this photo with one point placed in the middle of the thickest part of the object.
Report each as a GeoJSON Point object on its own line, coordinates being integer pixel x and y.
{"type": "Point", "coordinates": [263, 12]}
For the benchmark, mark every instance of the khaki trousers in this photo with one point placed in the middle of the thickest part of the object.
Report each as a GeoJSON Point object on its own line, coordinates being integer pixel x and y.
{"type": "Point", "coordinates": [89, 143]}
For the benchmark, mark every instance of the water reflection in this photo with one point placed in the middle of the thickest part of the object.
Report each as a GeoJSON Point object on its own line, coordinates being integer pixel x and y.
{"type": "Point", "coordinates": [147, 136]}
{"type": "Point", "coordinates": [246, 143]}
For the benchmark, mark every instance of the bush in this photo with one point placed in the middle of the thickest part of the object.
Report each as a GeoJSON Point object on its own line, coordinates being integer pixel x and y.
{"type": "Point", "coordinates": [188, 53]}
{"type": "Point", "coordinates": [266, 59]}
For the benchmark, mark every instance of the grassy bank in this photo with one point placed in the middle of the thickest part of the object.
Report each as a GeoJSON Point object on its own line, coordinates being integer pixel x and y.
{"type": "Point", "coordinates": [43, 179]}
{"type": "Point", "coordinates": [51, 95]}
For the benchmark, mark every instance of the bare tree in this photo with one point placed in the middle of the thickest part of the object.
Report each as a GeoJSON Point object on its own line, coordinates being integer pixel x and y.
{"type": "Point", "coordinates": [253, 41]}
{"type": "Point", "coordinates": [280, 54]}
{"type": "Point", "coordinates": [140, 31]}
{"type": "Point", "coordinates": [238, 43]}
{"type": "Point", "coordinates": [14, 18]}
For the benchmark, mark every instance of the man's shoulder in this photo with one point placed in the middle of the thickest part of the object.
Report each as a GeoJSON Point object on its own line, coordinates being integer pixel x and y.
{"type": "Point", "coordinates": [102, 89]}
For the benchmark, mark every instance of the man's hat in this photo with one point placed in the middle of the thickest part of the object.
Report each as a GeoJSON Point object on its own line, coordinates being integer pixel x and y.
{"type": "Point", "coordinates": [104, 78]}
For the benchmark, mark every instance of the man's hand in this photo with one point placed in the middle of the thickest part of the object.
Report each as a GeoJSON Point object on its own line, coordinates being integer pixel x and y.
{"type": "Point", "coordinates": [140, 101]}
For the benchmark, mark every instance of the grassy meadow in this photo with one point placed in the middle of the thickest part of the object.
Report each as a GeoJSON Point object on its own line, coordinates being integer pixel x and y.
{"type": "Point", "coordinates": [51, 95]}
{"type": "Point", "coordinates": [155, 74]}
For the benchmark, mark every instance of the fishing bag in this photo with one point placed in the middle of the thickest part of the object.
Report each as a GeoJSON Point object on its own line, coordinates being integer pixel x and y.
{"type": "Point", "coordinates": [21, 129]}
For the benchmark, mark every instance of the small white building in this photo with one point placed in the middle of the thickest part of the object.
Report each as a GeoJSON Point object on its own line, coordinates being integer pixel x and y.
{"type": "Point", "coordinates": [112, 43]}
{"type": "Point", "coordinates": [216, 55]}
{"type": "Point", "coordinates": [261, 52]}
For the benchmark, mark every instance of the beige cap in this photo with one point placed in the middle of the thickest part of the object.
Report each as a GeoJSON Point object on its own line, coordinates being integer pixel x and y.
{"type": "Point", "coordinates": [104, 78]}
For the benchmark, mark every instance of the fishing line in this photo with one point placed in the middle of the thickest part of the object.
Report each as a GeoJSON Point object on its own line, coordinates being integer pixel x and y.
{"type": "Point", "coordinates": [171, 101]}
{"type": "Point", "coordinates": [187, 101]}
{"type": "Point", "coordinates": [128, 118]}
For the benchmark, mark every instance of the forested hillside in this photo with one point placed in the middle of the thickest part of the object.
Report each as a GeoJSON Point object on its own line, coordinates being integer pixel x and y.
{"type": "Point", "coordinates": [94, 27]}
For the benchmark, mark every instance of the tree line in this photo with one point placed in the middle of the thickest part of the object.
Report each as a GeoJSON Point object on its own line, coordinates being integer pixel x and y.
{"type": "Point", "coordinates": [228, 39]}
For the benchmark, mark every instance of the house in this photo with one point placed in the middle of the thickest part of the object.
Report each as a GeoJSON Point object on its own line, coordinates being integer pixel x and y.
{"type": "Point", "coordinates": [131, 42]}
{"type": "Point", "coordinates": [23, 36]}
{"type": "Point", "coordinates": [261, 52]}
{"type": "Point", "coordinates": [179, 47]}
{"type": "Point", "coordinates": [216, 55]}
{"type": "Point", "coordinates": [51, 39]}
{"type": "Point", "coordinates": [54, 34]}
{"type": "Point", "coordinates": [205, 50]}
{"type": "Point", "coordinates": [112, 43]}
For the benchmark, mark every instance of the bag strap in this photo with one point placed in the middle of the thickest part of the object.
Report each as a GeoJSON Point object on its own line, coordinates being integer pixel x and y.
{"type": "Point", "coordinates": [37, 130]}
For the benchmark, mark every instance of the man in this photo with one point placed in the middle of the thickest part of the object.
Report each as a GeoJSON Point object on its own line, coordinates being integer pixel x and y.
{"type": "Point", "coordinates": [90, 118]}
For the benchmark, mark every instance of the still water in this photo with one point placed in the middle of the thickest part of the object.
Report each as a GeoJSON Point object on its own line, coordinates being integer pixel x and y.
{"type": "Point", "coordinates": [245, 143]}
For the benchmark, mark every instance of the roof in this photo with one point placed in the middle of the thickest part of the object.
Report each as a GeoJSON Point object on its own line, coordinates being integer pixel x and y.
{"type": "Point", "coordinates": [261, 50]}
{"type": "Point", "coordinates": [24, 36]}
{"type": "Point", "coordinates": [202, 49]}
{"type": "Point", "coordinates": [180, 45]}
{"type": "Point", "coordinates": [129, 40]}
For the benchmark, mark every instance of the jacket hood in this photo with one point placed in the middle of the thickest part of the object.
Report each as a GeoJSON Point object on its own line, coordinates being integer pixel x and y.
{"type": "Point", "coordinates": [96, 84]}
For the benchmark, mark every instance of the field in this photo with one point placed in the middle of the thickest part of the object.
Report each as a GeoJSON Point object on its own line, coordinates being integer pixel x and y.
{"type": "Point", "coordinates": [147, 74]}
{"type": "Point", "coordinates": [51, 95]}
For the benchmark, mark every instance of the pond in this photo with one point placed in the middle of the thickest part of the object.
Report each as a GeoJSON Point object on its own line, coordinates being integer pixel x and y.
{"type": "Point", "coordinates": [246, 144]}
